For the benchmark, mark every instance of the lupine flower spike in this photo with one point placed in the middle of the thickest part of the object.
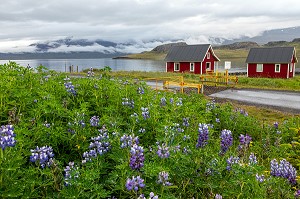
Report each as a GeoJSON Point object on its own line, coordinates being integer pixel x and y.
{"type": "Point", "coordinates": [7, 136]}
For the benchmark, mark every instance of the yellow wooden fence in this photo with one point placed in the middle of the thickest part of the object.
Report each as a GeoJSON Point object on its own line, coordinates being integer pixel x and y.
{"type": "Point", "coordinates": [176, 81]}
{"type": "Point", "coordinates": [218, 78]}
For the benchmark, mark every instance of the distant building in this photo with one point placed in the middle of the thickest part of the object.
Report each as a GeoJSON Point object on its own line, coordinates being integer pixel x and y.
{"type": "Point", "coordinates": [197, 59]}
{"type": "Point", "coordinates": [275, 62]}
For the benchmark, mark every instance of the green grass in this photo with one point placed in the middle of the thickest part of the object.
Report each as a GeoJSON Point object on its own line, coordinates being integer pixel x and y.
{"type": "Point", "coordinates": [292, 84]}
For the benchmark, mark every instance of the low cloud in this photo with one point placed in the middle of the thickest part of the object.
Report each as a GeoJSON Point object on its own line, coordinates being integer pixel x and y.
{"type": "Point", "coordinates": [121, 21]}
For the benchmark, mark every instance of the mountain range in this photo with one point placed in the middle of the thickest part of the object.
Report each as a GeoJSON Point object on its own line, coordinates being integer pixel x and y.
{"type": "Point", "coordinates": [70, 48]}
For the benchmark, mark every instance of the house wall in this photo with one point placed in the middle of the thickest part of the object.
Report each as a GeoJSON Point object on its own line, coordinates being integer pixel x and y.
{"type": "Point", "coordinates": [268, 71]}
{"type": "Point", "coordinates": [291, 74]}
{"type": "Point", "coordinates": [184, 67]}
{"type": "Point", "coordinates": [212, 60]}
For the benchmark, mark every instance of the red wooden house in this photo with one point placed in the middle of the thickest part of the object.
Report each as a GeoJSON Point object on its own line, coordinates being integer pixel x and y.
{"type": "Point", "coordinates": [196, 59]}
{"type": "Point", "coordinates": [275, 62]}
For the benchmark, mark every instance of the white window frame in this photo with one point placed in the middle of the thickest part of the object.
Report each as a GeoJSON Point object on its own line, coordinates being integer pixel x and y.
{"type": "Point", "coordinates": [277, 71]}
{"type": "Point", "coordinates": [176, 64]}
{"type": "Point", "coordinates": [192, 66]}
{"type": "Point", "coordinates": [208, 55]}
{"type": "Point", "coordinates": [262, 68]}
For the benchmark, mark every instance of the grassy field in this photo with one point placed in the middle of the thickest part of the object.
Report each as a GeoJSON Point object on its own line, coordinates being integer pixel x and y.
{"type": "Point", "coordinates": [107, 137]}
{"type": "Point", "coordinates": [265, 115]}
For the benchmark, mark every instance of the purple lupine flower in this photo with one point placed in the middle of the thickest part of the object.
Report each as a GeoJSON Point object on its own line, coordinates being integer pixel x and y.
{"type": "Point", "coordinates": [142, 196]}
{"type": "Point", "coordinates": [163, 101]}
{"type": "Point", "coordinates": [185, 122]}
{"type": "Point", "coordinates": [274, 168]}
{"type": "Point", "coordinates": [163, 178]}
{"type": "Point", "coordinates": [71, 174]}
{"type": "Point", "coordinates": [186, 150]}
{"type": "Point", "coordinates": [177, 148]}
{"type": "Point", "coordinates": [94, 121]}
{"type": "Point", "coordinates": [137, 157]}
{"type": "Point", "coordinates": [145, 113]}
{"type": "Point", "coordinates": [135, 183]}
{"type": "Point", "coordinates": [218, 196]}
{"type": "Point", "coordinates": [217, 120]}
{"type": "Point", "coordinates": [128, 141]}
{"type": "Point", "coordinates": [47, 124]}
{"type": "Point", "coordinates": [140, 90]}
{"type": "Point", "coordinates": [297, 194]}
{"type": "Point", "coordinates": [163, 151]}
{"type": "Point", "coordinates": [210, 106]}
{"type": "Point", "coordinates": [231, 161]}
{"type": "Point", "coordinates": [99, 146]}
{"type": "Point", "coordinates": [128, 102]}
{"type": "Point", "coordinates": [226, 141]}
{"type": "Point", "coordinates": [252, 159]}
{"type": "Point", "coordinates": [90, 73]}
{"type": "Point", "coordinates": [244, 141]}
{"type": "Point", "coordinates": [79, 120]}
{"type": "Point", "coordinates": [171, 100]}
{"type": "Point", "coordinates": [203, 135]}
{"type": "Point", "coordinates": [151, 196]}
{"type": "Point", "coordinates": [186, 137]}
{"type": "Point", "coordinates": [179, 102]}
{"type": "Point", "coordinates": [142, 130]}
{"type": "Point", "coordinates": [284, 169]}
{"type": "Point", "coordinates": [70, 88]}
{"type": "Point", "coordinates": [7, 136]}
{"type": "Point", "coordinates": [275, 125]}
{"type": "Point", "coordinates": [241, 111]}
{"type": "Point", "coordinates": [178, 128]}
{"type": "Point", "coordinates": [260, 178]}
{"type": "Point", "coordinates": [42, 155]}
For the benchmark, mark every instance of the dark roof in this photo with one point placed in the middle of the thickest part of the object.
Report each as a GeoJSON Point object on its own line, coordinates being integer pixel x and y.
{"type": "Point", "coordinates": [188, 53]}
{"type": "Point", "coordinates": [271, 55]}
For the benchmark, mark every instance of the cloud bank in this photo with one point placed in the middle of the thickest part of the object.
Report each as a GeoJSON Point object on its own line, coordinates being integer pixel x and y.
{"type": "Point", "coordinates": [29, 21]}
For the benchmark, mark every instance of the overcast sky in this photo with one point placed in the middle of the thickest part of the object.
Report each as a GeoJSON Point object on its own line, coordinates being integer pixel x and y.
{"type": "Point", "coordinates": [24, 22]}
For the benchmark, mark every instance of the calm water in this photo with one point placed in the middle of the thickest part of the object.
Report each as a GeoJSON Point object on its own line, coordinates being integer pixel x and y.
{"type": "Point", "coordinates": [115, 64]}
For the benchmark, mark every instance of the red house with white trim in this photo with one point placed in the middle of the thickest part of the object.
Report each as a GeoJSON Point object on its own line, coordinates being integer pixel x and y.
{"type": "Point", "coordinates": [275, 62]}
{"type": "Point", "coordinates": [197, 59]}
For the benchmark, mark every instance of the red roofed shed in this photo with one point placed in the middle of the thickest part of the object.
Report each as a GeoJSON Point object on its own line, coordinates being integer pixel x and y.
{"type": "Point", "coordinates": [275, 62]}
{"type": "Point", "coordinates": [196, 59]}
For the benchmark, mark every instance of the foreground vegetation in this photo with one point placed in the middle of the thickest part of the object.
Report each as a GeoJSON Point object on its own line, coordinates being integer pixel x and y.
{"type": "Point", "coordinates": [292, 84]}
{"type": "Point", "coordinates": [104, 137]}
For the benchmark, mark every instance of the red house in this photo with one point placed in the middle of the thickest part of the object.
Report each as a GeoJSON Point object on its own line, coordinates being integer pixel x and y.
{"type": "Point", "coordinates": [276, 62]}
{"type": "Point", "coordinates": [196, 59]}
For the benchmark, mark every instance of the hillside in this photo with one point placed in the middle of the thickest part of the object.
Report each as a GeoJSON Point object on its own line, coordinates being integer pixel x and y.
{"type": "Point", "coordinates": [237, 51]}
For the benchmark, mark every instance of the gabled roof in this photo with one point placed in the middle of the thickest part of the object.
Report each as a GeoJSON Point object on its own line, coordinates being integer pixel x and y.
{"type": "Point", "coordinates": [189, 53]}
{"type": "Point", "coordinates": [271, 55]}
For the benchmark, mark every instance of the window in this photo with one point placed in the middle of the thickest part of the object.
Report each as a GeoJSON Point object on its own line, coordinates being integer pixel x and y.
{"type": "Point", "coordinates": [208, 55]}
{"type": "Point", "coordinates": [207, 65]}
{"type": "Point", "coordinates": [291, 67]}
{"type": "Point", "coordinates": [259, 68]}
{"type": "Point", "coordinates": [277, 68]}
{"type": "Point", "coordinates": [176, 66]}
{"type": "Point", "coordinates": [192, 67]}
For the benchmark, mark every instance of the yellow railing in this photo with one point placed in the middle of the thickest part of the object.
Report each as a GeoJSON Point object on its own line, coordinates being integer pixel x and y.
{"type": "Point", "coordinates": [218, 78]}
{"type": "Point", "coordinates": [176, 81]}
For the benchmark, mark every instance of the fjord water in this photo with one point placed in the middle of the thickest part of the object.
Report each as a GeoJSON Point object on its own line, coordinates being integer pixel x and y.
{"type": "Point", "coordinates": [63, 65]}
